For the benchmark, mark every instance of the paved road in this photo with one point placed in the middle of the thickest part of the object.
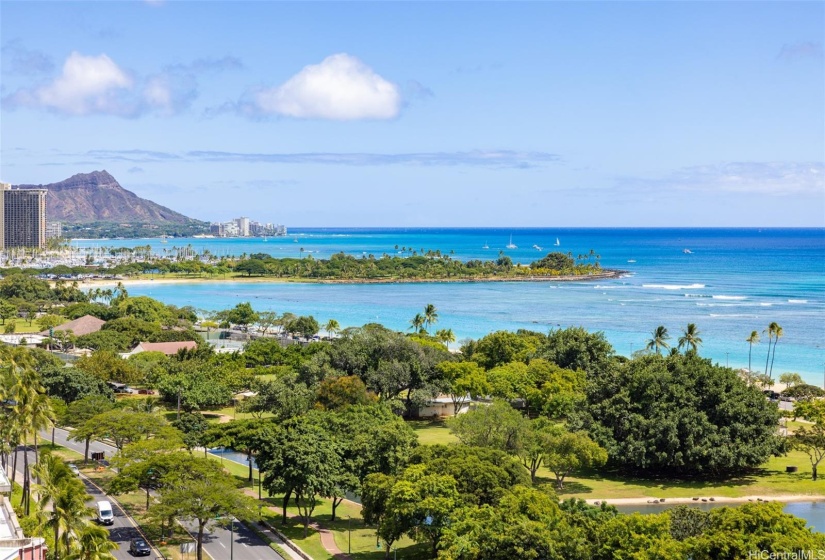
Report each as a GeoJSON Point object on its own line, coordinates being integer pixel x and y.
{"type": "Point", "coordinates": [121, 532]}
{"type": "Point", "coordinates": [217, 543]}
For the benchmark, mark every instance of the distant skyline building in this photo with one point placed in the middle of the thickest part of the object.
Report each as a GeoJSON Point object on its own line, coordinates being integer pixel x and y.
{"type": "Point", "coordinates": [22, 217]}
{"type": "Point", "coordinates": [244, 227]}
{"type": "Point", "coordinates": [54, 230]}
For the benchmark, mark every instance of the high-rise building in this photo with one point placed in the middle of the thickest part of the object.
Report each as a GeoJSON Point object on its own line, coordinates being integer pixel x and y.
{"type": "Point", "coordinates": [22, 217]}
{"type": "Point", "coordinates": [243, 226]}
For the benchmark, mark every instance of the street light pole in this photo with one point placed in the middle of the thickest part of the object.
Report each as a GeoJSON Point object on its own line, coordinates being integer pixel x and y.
{"type": "Point", "coordinates": [349, 535]}
{"type": "Point", "coordinates": [231, 538]}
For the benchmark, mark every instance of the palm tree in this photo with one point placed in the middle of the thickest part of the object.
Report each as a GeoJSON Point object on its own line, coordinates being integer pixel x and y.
{"type": "Point", "coordinates": [660, 336]}
{"type": "Point", "coordinates": [430, 315]}
{"type": "Point", "coordinates": [332, 327]}
{"type": "Point", "coordinates": [446, 336]}
{"type": "Point", "coordinates": [417, 322]}
{"type": "Point", "coordinates": [777, 334]}
{"type": "Point", "coordinates": [62, 500]}
{"type": "Point", "coordinates": [771, 330]}
{"type": "Point", "coordinates": [690, 337]}
{"type": "Point", "coordinates": [751, 340]}
{"type": "Point", "coordinates": [32, 407]}
{"type": "Point", "coordinates": [93, 544]}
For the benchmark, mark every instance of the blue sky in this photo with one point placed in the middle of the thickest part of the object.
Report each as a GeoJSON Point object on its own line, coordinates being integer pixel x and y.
{"type": "Point", "coordinates": [427, 113]}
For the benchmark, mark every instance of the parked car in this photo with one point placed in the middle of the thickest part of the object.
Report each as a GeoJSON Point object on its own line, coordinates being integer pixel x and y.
{"type": "Point", "coordinates": [139, 547]}
{"type": "Point", "coordinates": [74, 469]}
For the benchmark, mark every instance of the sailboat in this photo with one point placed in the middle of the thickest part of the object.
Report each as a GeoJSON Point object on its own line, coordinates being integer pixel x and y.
{"type": "Point", "coordinates": [163, 239]}
{"type": "Point", "coordinates": [557, 243]}
{"type": "Point", "coordinates": [485, 246]}
{"type": "Point", "coordinates": [511, 245]}
{"type": "Point", "coordinates": [537, 247]}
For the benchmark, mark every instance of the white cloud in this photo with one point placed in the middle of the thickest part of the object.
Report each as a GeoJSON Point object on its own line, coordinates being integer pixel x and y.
{"type": "Point", "coordinates": [97, 85]}
{"type": "Point", "coordinates": [758, 178]}
{"type": "Point", "coordinates": [796, 51]}
{"type": "Point", "coordinates": [157, 93]}
{"type": "Point", "coordinates": [776, 178]}
{"type": "Point", "coordinates": [341, 87]}
{"type": "Point", "coordinates": [88, 84]}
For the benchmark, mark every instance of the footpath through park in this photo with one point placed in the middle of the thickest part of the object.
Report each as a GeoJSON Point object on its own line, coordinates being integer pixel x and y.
{"type": "Point", "coordinates": [327, 537]}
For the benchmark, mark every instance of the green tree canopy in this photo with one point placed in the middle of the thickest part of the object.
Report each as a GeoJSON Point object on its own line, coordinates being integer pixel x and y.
{"type": "Point", "coordinates": [300, 458]}
{"type": "Point", "coordinates": [497, 426]}
{"type": "Point", "coordinates": [680, 415]}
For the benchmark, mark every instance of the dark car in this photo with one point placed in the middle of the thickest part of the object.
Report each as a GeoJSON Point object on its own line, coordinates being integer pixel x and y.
{"type": "Point", "coordinates": [139, 547]}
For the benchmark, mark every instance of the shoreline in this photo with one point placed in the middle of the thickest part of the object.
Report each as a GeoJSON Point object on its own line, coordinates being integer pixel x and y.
{"type": "Point", "coordinates": [605, 275]}
{"type": "Point", "coordinates": [648, 500]}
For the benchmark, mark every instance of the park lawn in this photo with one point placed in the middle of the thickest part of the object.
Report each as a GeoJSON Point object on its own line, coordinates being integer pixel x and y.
{"type": "Point", "coordinates": [68, 455]}
{"type": "Point", "coordinates": [235, 414]}
{"type": "Point", "coordinates": [294, 531]}
{"type": "Point", "coordinates": [432, 432]}
{"type": "Point", "coordinates": [348, 516]}
{"type": "Point", "coordinates": [794, 425]}
{"type": "Point", "coordinates": [769, 480]}
{"type": "Point", "coordinates": [25, 327]}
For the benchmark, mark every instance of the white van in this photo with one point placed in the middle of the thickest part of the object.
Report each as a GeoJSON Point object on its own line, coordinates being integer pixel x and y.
{"type": "Point", "coordinates": [105, 515]}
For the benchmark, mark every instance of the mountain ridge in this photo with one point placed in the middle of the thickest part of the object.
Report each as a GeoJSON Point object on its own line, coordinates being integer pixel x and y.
{"type": "Point", "coordinates": [98, 197]}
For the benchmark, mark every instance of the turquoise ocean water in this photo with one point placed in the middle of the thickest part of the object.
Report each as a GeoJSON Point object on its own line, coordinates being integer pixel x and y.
{"type": "Point", "coordinates": [732, 281]}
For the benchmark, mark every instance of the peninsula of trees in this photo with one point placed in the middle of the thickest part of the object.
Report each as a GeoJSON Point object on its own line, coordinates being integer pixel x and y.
{"type": "Point", "coordinates": [340, 267]}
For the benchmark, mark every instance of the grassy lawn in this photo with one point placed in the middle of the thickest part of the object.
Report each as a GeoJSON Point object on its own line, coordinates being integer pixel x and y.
{"type": "Point", "coordinates": [348, 524]}
{"type": "Point", "coordinates": [432, 432]}
{"type": "Point", "coordinates": [770, 480]}
{"type": "Point", "coordinates": [23, 326]}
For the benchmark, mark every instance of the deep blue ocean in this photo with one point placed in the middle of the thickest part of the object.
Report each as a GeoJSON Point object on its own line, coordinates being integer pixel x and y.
{"type": "Point", "coordinates": [731, 282]}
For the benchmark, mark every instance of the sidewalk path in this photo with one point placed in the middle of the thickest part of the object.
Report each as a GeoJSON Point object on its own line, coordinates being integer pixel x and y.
{"type": "Point", "coordinates": [327, 537]}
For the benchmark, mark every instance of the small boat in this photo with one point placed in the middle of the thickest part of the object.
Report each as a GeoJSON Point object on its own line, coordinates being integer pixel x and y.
{"type": "Point", "coordinates": [557, 243]}
{"type": "Point", "coordinates": [485, 246]}
{"type": "Point", "coordinates": [512, 245]}
{"type": "Point", "coordinates": [163, 239]}
{"type": "Point", "coordinates": [687, 251]}
{"type": "Point", "coordinates": [536, 247]}
{"type": "Point", "coordinates": [295, 240]}
{"type": "Point", "coordinates": [631, 260]}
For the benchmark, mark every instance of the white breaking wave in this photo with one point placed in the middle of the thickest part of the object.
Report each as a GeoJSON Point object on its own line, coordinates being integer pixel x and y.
{"type": "Point", "coordinates": [730, 297]}
{"type": "Point", "coordinates": [797, 301]}
{"type": "Point", "coordinates": [675, 286]}
{"type": "Point", "coordinates": [734, 315]}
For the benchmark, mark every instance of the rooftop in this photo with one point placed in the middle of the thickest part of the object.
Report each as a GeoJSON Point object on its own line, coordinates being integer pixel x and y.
{"type": "Point", "coordinates": [168, 348]}
{"type": "Point", "coordinates": [80, 326]}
